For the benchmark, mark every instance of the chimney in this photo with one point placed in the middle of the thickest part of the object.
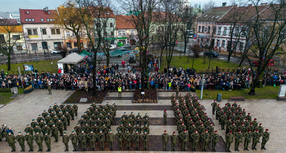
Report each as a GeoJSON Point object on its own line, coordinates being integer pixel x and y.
{"type": "Point", "coordinates": [263, 4]}
{"type": "Point", "coordinates": [224, 4]}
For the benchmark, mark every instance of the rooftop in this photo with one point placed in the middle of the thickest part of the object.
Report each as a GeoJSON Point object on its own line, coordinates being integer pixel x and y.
{"type": "Point", "coordinates": [36, 16]}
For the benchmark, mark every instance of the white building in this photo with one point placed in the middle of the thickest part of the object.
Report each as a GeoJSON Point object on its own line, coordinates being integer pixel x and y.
{"type": "Point", "coordinates": [41, 35]}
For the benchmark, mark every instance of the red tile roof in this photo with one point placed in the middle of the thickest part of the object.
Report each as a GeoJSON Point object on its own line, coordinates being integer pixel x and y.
{"type": "Point", "coordinates": [124, 22]}
{"type": "Point", "coordinates": [8, 22]}
{"type": "Point", "coordinates": [36, 16]}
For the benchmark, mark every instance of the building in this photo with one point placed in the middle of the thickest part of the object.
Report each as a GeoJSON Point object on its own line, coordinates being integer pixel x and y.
{"type": "Point", "coordinates": [10, 28]}
{"type": "Point", "coordinates": [5, 15]}
{"type": "Point", "coordinates": [125, 31]}
{"type": "Point", "coordinates": [41, 35]}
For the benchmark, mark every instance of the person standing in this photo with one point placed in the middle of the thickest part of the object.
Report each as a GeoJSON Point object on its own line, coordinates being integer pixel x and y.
{"type": "Point", "coordinates": [196, 138]}
{"type": "Point", "coordinates": [136, 139]}
{"type": "Point", "coordinates": [205, 139]}
{"type": "Point", "coordinates": [47, 140]}
{"type": "Point", "coordinates": [214, 105]}
{"type": "Point", "coordinates": [177, 91]}
{"type": "Point", "coordinates": [91, 139]}
{"type": "Point", "coordinates": [165, 117]}
{"type": "Point", "coordinates": [21, 139]}
{"type": "Point", "coordinates": [75, 109]}
{"type": "Point", "coordinates": [174, 139]}
{"type": "Point", "coordinates": [265, 138]}
{"type": "Point", "coordinates": [74, 139]}
{"type": "Point", "coordinates": [110, 139]}
{"type": "Point", "coordinates": [29, 140]}
{"type": "Point", "coordinates": [39, 140]}
{"type": "Point", "coordinates": [55, 132]}
{"type": "Point", "coordinates": [82, 140]}
{"type": "Point", "coordinates": [247, 139]}
{"type": "Point", "coordinates": [66, 141]}
{"type": "Point", "coordinates": [145, 138]}
{"type": "Point", "coordinates": [229, 140]}
{"type": "Point", "coordinates": [127, 137]}
{"type": "Point", "coordinates": [49, 86]}
{"type": "Point", "coordinates": [119, 137]}
{"type": "Point", "coordinates": [165, 140]}
{"type": "Point", "coordinates": [238, 140]}
{"type": "Point", "coordinates": [119, 91]}
{"type": "Point", "coordinates": [215, 138]}
{"type": "Point", "coordinates": [101, 139]}
{"type": "Point", "coordinates": [255, 138]}
{"type": "Point", "coordinates": [11, 141]}
{"type": "Point", "coordinates": [184, 139]}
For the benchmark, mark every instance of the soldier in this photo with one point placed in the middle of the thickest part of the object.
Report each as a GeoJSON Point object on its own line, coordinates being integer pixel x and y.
{"type": "Point", "coordinates": [173, 141]}
{"type": "Point", "coordinates": [37, 128]}
{"type": "Point", "coordinates": [64, 121]}
{"type": "Point", "coordinates": [82, 140]}
{"type": "Point", "coordinates": [119, 137]}
{"type": "Point", "coordinates": [145, 138]}
{"type": "Point", "coordinates": [91, 137]}
{"type": "Point", "coordinates": [60, 127]}
{"type": "Point", "coordinates": [205, 139]}
{"type": "Point", "coordinates": [229, 140]}
{"type": "Point", "coordinates": [255, 137]}
{"type": "Point", "coordinates": [68, 117]}
{"type": "Point", "coordinates": [39, 140]}
{"type": "Point", "coordinates": [75, 108]}
{"type": "Point", "coordinates": [21, 139]}
{"type": "Point", "coordinates": [110, 139]}
{"type": "Point", "coordinates": [11, 141]}
{"type": "Point", "coordinates": [195, 138]}
{"type": "Point", "coordinates": [247, 138]}
{"type": "Point", "coordinates": [223, 120]}
{"type": "Point", "coordinates": [29, 130]}
{"type": "Point", "coordinates": [104, 131]}
{"type": "Point", "coordinates": [73, 138]}
{"type": "Point", "coordinates": [101, 139]}
{"type": "Point", "coordinates": [146, 128]}
{"type": "Point", "coordinates": [136, 139]}
{"type": "Point", "coordinates": [165, 117]}
{"type": "Point", "coordinates": [265, 138]}
{"type": "Point", "coordinates": [46, 129]}
{"type": "Point", "coordinates": [137, 128]}
{"type": "Point", "coordinates": [29, 140]}
{"type": "Point", "coordinates": [215, 138]}
{"type": "Point", "coordinates": [177, 91]}
{"type": "Point", "coordinates": [165, 140]}
{"type": "Point", "coordinates": [127, 136]}
{"type": "Point", "coordinates": [121, 128]}
{"type": "Point", "coordinates": [66, 141]}
{"type": "Point", "coordinates": [238, 139]}
{"type": "Point", "coordinates": [33, 123]}
{"type": "Point", "coordinates": [214, 105]}
{"type": "Point", "coordinates": [71, 112]}
{"type": "Point", "coordinates": [77, 129]}
{"type": "Point", "coordinates": [184, 139]}
{"type": "Point", "coordinates": [55, 132]}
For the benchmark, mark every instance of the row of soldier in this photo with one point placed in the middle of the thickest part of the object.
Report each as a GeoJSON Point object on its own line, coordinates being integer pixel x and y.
{"type": "Point", "coordinates": [199, 126]}
{"type": "Point", "coordinates": [237, 124]}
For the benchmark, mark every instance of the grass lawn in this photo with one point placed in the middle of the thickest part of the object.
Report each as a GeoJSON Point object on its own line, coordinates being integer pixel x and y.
{"type": "Point", "coordinates": [40, 65]}
{"type": "Point", "coordinates": [5, 96]}
{"type": "Point", "coordinates": [198, 63]}
{"type": "Point", "coordinates": [268, 92]}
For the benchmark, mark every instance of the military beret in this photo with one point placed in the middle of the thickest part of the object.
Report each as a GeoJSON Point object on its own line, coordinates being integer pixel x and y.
{"type": "Point", "coordinates": [109, 130]}
{"type": "Point", "coordinates": [230, 131]}
{"type": "Point", "coordinates": [139, 113]}
{"type": "Point", "coordinates": [165, 131]}
{"type": "Point", "coordinates": [260, 123]}
{"type": "Point", "coordinates": [185, 130]}
{"type": "Point", "coordinates": [182, 123]}
{"type": "Point", "coordinates": [233, 123]}
{"type": "Point", "coordinates": [215, 131]}
{"type": "Point", "coordinates": [72, 131]}
{"type": "Point", "coordinates": [37, 131]}
{"type": "Point", "coordinates": [211, 123]}
{"type": "Point", "coordinates": [193, 123]}
{"type": "Point", "coordinates": [208, 118]}
{"type": "Point", "coordinates": [53, 123]}
{"type": "Point", "coordinates": [249, 130]}
{"type": "Point", "coordinates": [46, 132]}
{"type": "Point", "coordinates": [27, 132]}
{"type": "Point", "coordinates": [266, 130]}
{"type": "Point", "coordinates": [206, 130]}
{"type": "Point", "coordinates": [82, 130]}
{"type": "Point", "coordinates": [145, 131]}
{"type": "Point", "coordinates": [33, 119]}
{"type": "Point", "coordinates": [174, 132]}
{"type": "Point", "coordinates": [255, 119]}
{"type": "Point", "coordinates": [91, 130]}
{"type": "Point", "coordinates": [121, 123]}
{"type": "Point", "coordinates": [131, 112]}
{"type": "Point", "coordinates": [94, 124]}
{"type": "Point", "coordinates": [103, 123]}
{"type": "Point", "coordinates": [242, 123]}
{"type": "Point", "coordinates": [124, 112]}
{"type": "Point", "coordinates": [77, 123]}
{"type": "Point", "coordinates": [119, 130]}
{"type": "Point", "coordinates": [202, 123]}
{"type": "Point", "coordinates": [27, 125]}
{"type": "Point", "coordinates": [19, 132]}
{"type": "Point", "coordinates": [146, 113]}
{"type": "Point", "coordinates": [64, 132]}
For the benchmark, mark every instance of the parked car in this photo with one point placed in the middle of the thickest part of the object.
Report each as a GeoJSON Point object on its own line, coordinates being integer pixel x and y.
{"type": "Point", "coordinates": [112, 46]}
{"type": "Point", "coordinates": [123, 49]}
{"type": "Point", "coordinates": [128, 46]}
{"type": "Point", "coordinates": [271, 62]}
{"type": "Point", "coordinates": [212, 53]}
{"type": "Point", "coordinates": [55, 51]}
{"type": "Point", "coordinates": [117, 53]}
{"type": "Point", "coordinates": [74, 50]}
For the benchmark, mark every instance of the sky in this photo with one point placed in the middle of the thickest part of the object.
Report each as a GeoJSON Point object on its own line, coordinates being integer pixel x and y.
{"type": "Point", "coordinates": [14, 5]}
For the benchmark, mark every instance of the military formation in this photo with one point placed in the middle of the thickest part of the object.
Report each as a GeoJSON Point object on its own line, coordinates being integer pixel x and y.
{"type": "Point", "coordinates": [238, 125]}
{"type": "Point", "coordinates": [133, 129]}
{"type": "Point", "coordinates": [193, 123]}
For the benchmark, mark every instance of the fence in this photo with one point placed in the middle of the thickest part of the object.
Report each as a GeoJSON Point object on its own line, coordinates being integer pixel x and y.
{"type": "Point", "coordinates": [24, 58]}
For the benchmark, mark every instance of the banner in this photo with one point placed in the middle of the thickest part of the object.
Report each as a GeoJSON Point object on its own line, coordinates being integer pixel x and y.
{"type": "Point", "coordinates": [28, 67]}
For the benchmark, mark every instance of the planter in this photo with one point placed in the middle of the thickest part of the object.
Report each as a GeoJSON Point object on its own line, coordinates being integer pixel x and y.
{"type": "Point", "coordinates": [150, 96]}
{"type": "Point", "coordinates": [77, 95]}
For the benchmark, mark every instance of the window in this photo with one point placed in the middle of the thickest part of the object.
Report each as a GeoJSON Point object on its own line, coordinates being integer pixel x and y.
{"type": "Point", "coordinates": [214, 29]}
{"type": "Point", "coordinates": [74, 44]}
{"type": "Point", "coordinates": [57, 45]}
{"type": "Point", "coordinates": [73, 34]}
{"type": "Point", "coordinates": [45, 45]}
{"type": "Point", "coordinates": [111, 24]}
{"type": "Point", "coordinates": [199, 28]}
{"type": "Point", "coordinates": [69, 45]}
{"type": "Point", "coordinates": [19, 47]}
{"type": "Point", "coordinates": [2, 39]}
{"type": "Point", "coordinates": [229, 31]}
{"type": "Point", "coordinates": [48, 19]}
{"type": "Point", "coordinates": [111, 34]}
{"type": "Point", "coordinates": [28, 12]}
{"type": "Point", "coordinates": [44, 31]}
{"type": "Point", "coordinates": [34, 46]}
{"type": "Point", "coordinates": [53, 31]}
{"type": "Point", "coordinates": [236, 31]}
{"type": "Point", "coordinates": [68, 33]}
{"type": "Point", "coordinates": [219, 31]}
{"type": "Point", "coordinates": [30, 19]}
{"type": "Point", "coordinates": [58, 31]}
{"type": "Point", "coordinates": [33, 19]}
{"type": "Point", "coordinates": [223, 44]}
{"type": "Point", "coordinates": [209, 29]}
{"type": "Point", "coordinates": [42, 20]}
{"type": "Point", "coordinates": [132, 32]}
{"type": "Point", "coordinates": [218, 43]}
{"type": "Point", "coordinates": [203, 28]}
{"type": "Point", "coordinates": [26, 20]}
{"type": "Point", "coordinates": [16, 37]}
{"type": "Point", "coordinates": [29, 31]}
{"type": "Point", "coordinates": [35, 31]}
{"type": "Point", "coordinates": [241, 45]}
{"type": "Point", "coordinates": [123, 33]}
{"type": "Point", "coordinates": [119, 33]}
{"type": "Point", "coordinates": [224, 31]}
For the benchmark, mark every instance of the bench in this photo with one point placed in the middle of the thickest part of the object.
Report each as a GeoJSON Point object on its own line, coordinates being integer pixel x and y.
{"type": "Point", "coordinates": [237, 98]}
{"type": "Point", "coordinates": [281, 98]}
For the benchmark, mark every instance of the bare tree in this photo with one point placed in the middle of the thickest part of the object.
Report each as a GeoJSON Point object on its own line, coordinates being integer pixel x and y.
{"type": "Point", "coordinates": [268, 29]}
{"type": "Point", "coordinates": [207, 6]}
{"type": "Point", "coordinates": [7, 40]}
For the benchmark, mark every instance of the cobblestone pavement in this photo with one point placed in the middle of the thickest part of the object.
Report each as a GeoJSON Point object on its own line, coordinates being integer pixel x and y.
{"type": "Point", "coordinates": [20, 112]}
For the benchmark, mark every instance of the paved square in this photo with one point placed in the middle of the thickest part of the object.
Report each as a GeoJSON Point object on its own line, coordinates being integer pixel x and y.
{"type": "Point", "coordinates": [21, 111]}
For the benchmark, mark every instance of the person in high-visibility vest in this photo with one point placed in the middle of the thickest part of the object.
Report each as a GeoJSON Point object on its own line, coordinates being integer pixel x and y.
{"type": "Point", "coordinates": [119, 91]}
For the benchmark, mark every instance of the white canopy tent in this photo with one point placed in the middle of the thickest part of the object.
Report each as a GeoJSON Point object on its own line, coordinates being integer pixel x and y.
{"type": "Point", "coordinates": [73, 58]}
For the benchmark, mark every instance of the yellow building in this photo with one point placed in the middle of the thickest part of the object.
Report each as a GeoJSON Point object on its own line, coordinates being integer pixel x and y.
{"type": "Point", "coordinates": [16, 37]}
